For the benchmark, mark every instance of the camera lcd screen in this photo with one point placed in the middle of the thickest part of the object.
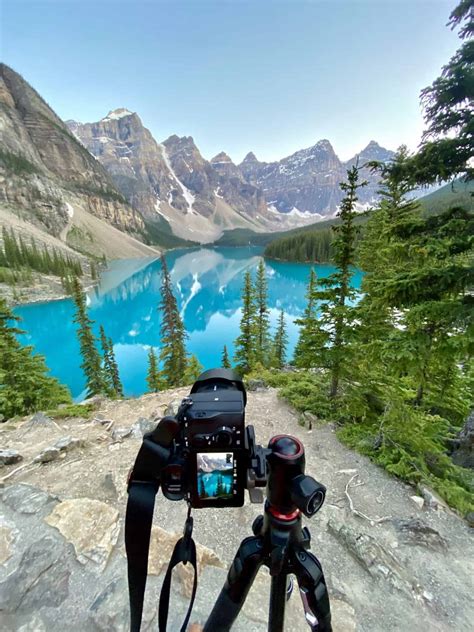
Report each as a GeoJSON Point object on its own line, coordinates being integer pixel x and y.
{"type": "Point", "coordinates": [216, 475]}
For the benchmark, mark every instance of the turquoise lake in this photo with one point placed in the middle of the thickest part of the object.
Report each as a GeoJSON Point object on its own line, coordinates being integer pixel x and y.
{"type": "Point", "coordinates": [207, 283]}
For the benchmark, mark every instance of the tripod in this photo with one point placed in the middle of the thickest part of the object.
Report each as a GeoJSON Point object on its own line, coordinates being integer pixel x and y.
{"type": "Point", "coordinates": [280, 543]}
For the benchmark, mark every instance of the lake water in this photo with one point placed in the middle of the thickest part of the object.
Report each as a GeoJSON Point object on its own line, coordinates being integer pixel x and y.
{"type": "Point", "coordinates": [207, 284]}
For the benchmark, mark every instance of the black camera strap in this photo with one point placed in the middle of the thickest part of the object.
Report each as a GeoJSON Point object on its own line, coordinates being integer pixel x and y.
{"type": "Point", "coordinates": [184, 551]}
{"type": "Point", "coordinates": [143, 485]}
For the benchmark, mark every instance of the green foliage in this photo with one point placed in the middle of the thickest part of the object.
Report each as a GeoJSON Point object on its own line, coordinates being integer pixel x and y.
{"type": "Point", "coordinates": [25, 385]}
{"type": "Point", "coordinates": [225, 362]}
{"type": "Point", "coordinates": [262, 321]}
{"type": "Point", "coordinates": [193, 370]}
{"type": "Point", "coordinates": [313, 339]}
{"type": "Point", "coordinates": [173, 334]}
{"type": "Point", "coordinates": [245, 345]}
{"type": "Point", "coordinates": [154, 378]}
{"type": "Point", "coordinates": [314, 246]}
{"type": "Point", "coordinates": [280, 343]}
{"type": "Point", "coordinates": [86, 411]}
{"type": "Point", "coordinates": [110, 367]}
{"type": "Point", "coordinates": [96, 381]}
{"type": "Point", "coordinates": [21, 258]}
{"type": "Point", "coordinates": [448, 140]}
{"type": "Point", "coordinates": [16, 163]}
{"type": "Point", "coordinates": [411, 444]}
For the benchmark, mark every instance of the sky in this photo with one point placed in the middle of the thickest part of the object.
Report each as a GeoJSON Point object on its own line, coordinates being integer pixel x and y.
{"type": "Point", "coordinates": [268, 76]}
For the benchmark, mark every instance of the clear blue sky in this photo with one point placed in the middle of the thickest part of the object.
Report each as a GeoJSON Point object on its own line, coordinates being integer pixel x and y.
{"type": "Point", "coordinates": [237, 75]}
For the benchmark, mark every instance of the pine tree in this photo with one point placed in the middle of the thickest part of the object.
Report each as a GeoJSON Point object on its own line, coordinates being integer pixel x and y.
{"type": "Point", "coordinates": [111, 372]}
{"type": "Point", "coordinates": [173, 335]}
{"type": "Point", "coordinates": [245, 345]}
{"type": "Point", "coordinates": [193, 370]}
{"type": "Point", "coordinates": [336, 312]}
{"type": "Point", "coordinates": [280, 342]}
{"type": "Point", "coordinates": [225, 358]}
{"type": "Point", "coordinates": [448, 141]}
{"type": "Point", "coordinates": [91, 360]}
{"type": "Point", "coordinates": [262, 321]}
{"type": "Point", "coordinates": [310, 350]}
{"type": "Point", "coordinates": [154, 378]}
{"type": "Point", "coordinates": [25, 385]}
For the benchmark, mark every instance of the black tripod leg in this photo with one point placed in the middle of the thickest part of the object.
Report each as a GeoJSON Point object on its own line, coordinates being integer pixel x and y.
{"type": "Point", "coordinates": [278, 598]}
{"type": "Point", "coordinates": [247, 561]}
{"type": "Point", "coordinates": [313, 590]}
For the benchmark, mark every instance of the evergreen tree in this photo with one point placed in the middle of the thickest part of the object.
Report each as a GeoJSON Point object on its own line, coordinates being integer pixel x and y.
{"type": "Point", "coordinates": [193, 370]}
{"type": "Point", "coordinates": [225, 359]}
{"type": "Point", "coordinates": [313, 339]}
{"type": "Point", "coordinates": [262, 321]}
{"type": "Point", "coordinates": [91, 361]}
{"type": "Point", "coordinates": [173, 335]}
{"type": "Point", "coordinates": [337, 313]}
{"type": "Point", "coordinates": [154, 378]}
{"type": "Point", "coordinates": [245, 345]}
{"type": "Point", "coordinates": [448, 141]}
{"type": "Point", "coordinates": [202, 489]}
{"type": "Point", "coordinates": [280, 342]}
{"type": "Point", "coordinates": [25, 385]}
{"type": "Point", "coordinates": [111, 372]}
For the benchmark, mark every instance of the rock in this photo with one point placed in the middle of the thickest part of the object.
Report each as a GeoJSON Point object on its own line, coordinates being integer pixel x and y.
{"type": "Point", "coordinates": [26, 499]}
{"type": "Point", "coordinates": [6, 540]}
{"type": "Point", "coordinates": [309, 419]}
{"type": "Point", "coordinates": [142, 426]}
{"type": "Point", "coordinates": [416, 532]}
{"type": "Point", "coordinates": [172, 409]}
{"type": "Point", "coordinates": [463, 454]}
{"type": "Point", "coordinates": [96, 401]}
{"type": "Point", "coordinates": [47, 455]}
{"type": "Point", "coordinates": [432, 500]}
{"type": "Point", "coordinates": [40, 419]}
{"type": "Point", "coordinates": [375, 557]}
{"type": "Point", "coordinates": [41, 579]}
{"type": "Point", "coordinates": [343, 616]}
{"type": "Point", "coordinates": [161, 547]}
{"type": "Point", "coordinates": [121, 433]}
{"type": "Point", "coordinates": [90, 525]}
{"type": "Point", "coordinates": [109, 486]}
{"type": "Point", "coordinates": [68, 443]}
{"type": "Point", "coordinates": [256, 385]}
{"type": "Point", "coordinates": [109, 611]}
{"type": "Point", "coordinates": [8, 457]}
{"type": "Point", "coordinates": [351, 471]}
{"type": "Point", "coordinates": [418, 500]}
{"type": "Point", "coordinates": [470, 518]}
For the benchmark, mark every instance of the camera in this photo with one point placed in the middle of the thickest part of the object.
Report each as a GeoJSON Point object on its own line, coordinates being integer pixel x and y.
{"type": "Point", "coordinates": [210, 451]}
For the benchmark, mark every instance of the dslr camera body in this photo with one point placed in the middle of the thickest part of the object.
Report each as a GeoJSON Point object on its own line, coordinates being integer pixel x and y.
{"type": "Point", "coordinates": [210, 451]}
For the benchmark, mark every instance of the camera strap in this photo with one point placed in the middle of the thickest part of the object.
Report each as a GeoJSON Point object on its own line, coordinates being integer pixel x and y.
{"type": "Point", "coordinates": [143, 485]}
{"type": "Point", "coordinates": [184, 551]}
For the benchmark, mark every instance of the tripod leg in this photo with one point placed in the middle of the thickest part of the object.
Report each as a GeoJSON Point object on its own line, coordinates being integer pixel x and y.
{"type": "Point", "coordinates": [247, 561]}
{"type": "Point", "coordinates": [278, 598]}
{"type": "Point", "coordinates": [313, 590]}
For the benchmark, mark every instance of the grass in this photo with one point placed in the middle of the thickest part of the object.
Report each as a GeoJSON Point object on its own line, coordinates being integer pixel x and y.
{"type": "Point", "coordinates": [72, 410]}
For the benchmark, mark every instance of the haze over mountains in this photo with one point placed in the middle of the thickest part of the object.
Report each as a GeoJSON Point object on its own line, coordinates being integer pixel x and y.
{"type": "Point", "coordinates": [74, 180]}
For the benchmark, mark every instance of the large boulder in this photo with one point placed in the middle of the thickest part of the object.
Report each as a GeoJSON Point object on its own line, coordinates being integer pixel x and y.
{"type": "Point", "coordinates": [463, 453]}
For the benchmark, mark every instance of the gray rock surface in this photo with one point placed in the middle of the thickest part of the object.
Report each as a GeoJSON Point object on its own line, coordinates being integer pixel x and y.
{"type": "Point", "coordinates": [48, 454]}
{"type": "Point", "coordinates": [9, 457]}
{"type": "Point", "coordinates": [463, 453]}
{"type": "Point", "coordinates": [383, 577]}
{"type": "Point", "coordinates": [142, 426]}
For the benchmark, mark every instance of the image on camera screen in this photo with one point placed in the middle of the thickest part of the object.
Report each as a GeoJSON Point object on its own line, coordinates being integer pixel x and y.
{"type": "Point", "coordinates": [215, 475]}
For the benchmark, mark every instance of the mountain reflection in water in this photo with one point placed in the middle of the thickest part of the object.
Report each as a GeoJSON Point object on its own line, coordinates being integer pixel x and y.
{"type": "Point", "coordinates": [207, 284]}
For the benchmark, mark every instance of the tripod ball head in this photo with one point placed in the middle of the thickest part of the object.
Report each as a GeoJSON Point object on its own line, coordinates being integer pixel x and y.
{"type": "Point", "coordinates": [288, 487]}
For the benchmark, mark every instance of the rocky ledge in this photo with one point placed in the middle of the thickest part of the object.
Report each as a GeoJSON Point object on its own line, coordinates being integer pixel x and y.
{"type": "Point", "coordinates": [393, 559]}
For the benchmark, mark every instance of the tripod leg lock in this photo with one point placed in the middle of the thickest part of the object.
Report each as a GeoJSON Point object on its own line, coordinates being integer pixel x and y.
{"type": "Point", "coordinates": [313, 590]}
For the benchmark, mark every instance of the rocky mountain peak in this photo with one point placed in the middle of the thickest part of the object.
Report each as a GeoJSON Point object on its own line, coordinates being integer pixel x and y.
{"type": "Point", "coordinates": [115, 115]}
{"type": "Point", "coordinates": [222, 157]}
{"type": "Point", "coordinates": [249, 158]}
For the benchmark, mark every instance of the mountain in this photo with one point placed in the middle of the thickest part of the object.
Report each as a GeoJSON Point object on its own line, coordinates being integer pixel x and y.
{"type": "Point", "coordinates": [306, 184]}
{"type": "Point", "coordinates": [373, 151]}
{"type": "Point", "coordinates": [50, 182]}
{"type": "Point", "coordinates": [171, 182]}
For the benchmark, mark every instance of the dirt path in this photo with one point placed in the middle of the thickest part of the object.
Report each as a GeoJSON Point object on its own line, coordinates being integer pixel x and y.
{"type": "Point", "coordinates": [413, 571]}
